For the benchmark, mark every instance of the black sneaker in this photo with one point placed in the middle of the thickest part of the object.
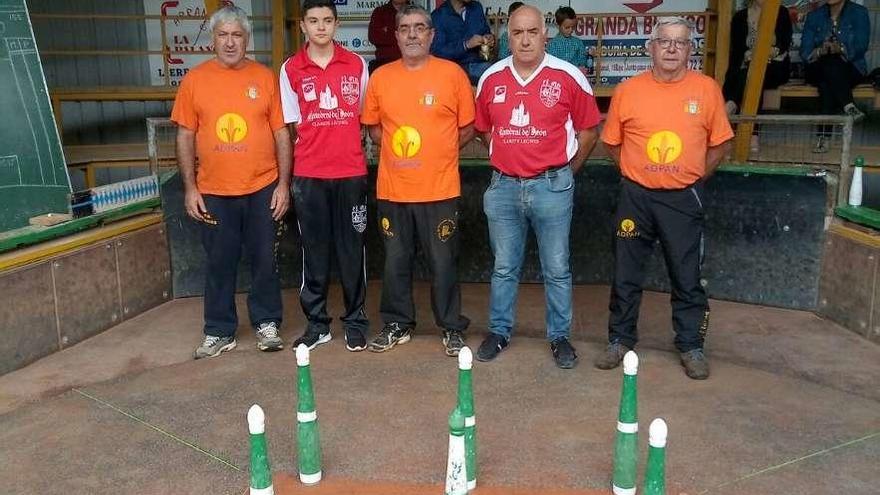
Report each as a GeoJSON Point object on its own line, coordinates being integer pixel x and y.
{"type": "Point", "coordinates": [355, 340]}
{"type": "Point", "coordinates": [563, 353]}
{"type": "Point", "coordinates": [389, 337]}
{"type": "Point", "coordinates": [313, 337]}
{"type": "Point", "coordinates": [695, 364]}
{"type": "Point", "coordinates": [454, 341]}
{"type": "Point", "coordinates": [491, 347]}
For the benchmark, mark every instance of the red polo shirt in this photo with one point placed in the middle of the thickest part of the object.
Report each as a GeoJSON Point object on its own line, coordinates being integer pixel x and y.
{"type": "Point", "coordinates": [534, 122]}
{"type": "Point", "coordinates": [325, 105]}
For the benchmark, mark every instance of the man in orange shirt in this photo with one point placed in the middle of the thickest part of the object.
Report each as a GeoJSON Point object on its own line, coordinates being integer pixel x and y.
{"type": "Point", "coordinates": [667, 130]}
{"type": "Point", "coordinates": [421, 108]}
{"type": "Point", "coordinates": [228, 112]}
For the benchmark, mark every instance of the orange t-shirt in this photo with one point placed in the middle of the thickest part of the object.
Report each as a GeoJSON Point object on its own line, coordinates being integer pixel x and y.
{"type": "Point", "coordinates": [664, 129]}
{"type": "Point", "coordinates": [421, 112]}
{"type": "Point", "coordinates": [234, 113]}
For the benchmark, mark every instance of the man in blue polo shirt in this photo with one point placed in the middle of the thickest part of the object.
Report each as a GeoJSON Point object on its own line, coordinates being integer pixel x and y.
{"type": "Point", "coordinates": [461, 34]}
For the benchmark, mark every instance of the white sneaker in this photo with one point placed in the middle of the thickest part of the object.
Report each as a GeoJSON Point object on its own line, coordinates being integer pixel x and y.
{"type": "Point", "coordinates": [853, 111]}
{"type": "Point", "coordinates": [754, 144]}
{"type": "Point", "coordinates": [730, 107]}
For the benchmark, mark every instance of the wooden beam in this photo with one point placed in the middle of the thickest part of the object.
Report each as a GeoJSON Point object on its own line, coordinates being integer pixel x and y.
{"type": "Point", "coordinates": [278, 15]}
{"type": "Point", "coordinates": [295, 34]}
{"type": "Point", "coordinates": [755, 79]}
{"type": "Point", "coordinates": [211, 6]}
{"type": "Point", "coordinates": [722, 38]}
{"type": "Point", "coordinates": [44, 250]}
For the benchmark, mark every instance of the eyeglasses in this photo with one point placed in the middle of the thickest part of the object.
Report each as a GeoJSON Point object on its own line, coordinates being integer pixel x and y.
{"type": "Point", "coordinates": [665, 43]}
{"type": "Point", "coordinates": [418, 29]}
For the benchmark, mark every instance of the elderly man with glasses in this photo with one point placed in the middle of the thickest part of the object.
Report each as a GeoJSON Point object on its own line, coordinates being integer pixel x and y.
{"type": "Point", "coordinates": [421, 109]}
{"type": "Point", "coordinates": [667, 130]}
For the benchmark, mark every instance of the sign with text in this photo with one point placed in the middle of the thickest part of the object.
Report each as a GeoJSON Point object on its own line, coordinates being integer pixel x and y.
{"type": "Point", "coordinates": [624, 30]}
{"type": "Point", "coordinates": [190, 35]}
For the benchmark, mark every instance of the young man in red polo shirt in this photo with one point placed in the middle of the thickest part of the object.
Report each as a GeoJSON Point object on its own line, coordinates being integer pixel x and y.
{"type": "Point", "coordinates": [322, 89]}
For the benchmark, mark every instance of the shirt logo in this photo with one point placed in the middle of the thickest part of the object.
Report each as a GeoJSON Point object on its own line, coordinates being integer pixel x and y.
{"type": "Point", "coordinates": [663, 147]}
{"type": "Point", "coordinates": [351, 89]}
{"type": "Point", "coordinates": [406, 142]}
{"type": "Point", "coordinates": [519, 117]}
{"type": "Point", "coordinates": [328, 99]}
{"type": "Point", "coordinates": [231, 128]}
{"type": "Point", "coordinates": [692, 107]}
{"type": "Point", "coordinates": [428, 99]}
{"type": "Point", "coordinates": [252, 92]}
{"type": "Point", "coordinates": [550, 92]}
{"type": "Point", "coordinates": [500, 94]}
{"type": "Point", "coordinates": [308, 90]}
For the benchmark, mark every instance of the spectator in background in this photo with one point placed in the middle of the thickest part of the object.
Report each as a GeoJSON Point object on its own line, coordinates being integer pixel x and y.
{"type": "Point", "coordinates": [833, 45]}
{"type": "Point", "coordinates": [381, 33]}
{"type": "Point", "coordinates": [564, 45]}
{"type": "Point", "coordinates": [503, 40]}
{"type": "Point", "coordinates": [461, 34]}
{"type": "Point", "coordinates": [743, 39]}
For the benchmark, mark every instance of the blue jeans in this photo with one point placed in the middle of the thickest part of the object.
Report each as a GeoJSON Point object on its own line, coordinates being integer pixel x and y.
{"type": "Point", "coordinates": [511, 205]}
{"type": "Point", "coordinates": [475, 69]}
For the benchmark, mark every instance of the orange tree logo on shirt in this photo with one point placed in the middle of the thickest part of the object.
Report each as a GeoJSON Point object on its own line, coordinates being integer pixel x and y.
{"type": "Point", "coordinates": [663, 147]}
{"type": "Point", "coordinates": [406, 142]}
{"type": "Point", "coordinates": [231, 128]}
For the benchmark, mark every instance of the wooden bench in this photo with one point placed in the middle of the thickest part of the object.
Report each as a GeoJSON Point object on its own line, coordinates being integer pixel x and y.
{"type": "Point", "coordinates": [773, 97]}
{"type": "Point", "coordinates": [89, 158]}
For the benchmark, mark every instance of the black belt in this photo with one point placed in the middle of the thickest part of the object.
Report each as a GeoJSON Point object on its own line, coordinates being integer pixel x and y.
{"type": "Point", "coordinates": [520, 177]}
{"type": "Point", "coordinates": [665, 189]}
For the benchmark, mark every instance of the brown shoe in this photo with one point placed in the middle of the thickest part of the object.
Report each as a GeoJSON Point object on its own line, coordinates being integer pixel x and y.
{"type": "Point", "coordinates": [695, 364]}
{"type": "Point", "coordinates": [612, 356]}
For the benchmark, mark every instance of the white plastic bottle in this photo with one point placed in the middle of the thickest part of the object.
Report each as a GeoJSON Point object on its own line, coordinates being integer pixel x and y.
{"type": "Point", "coordinates": [855, 187]}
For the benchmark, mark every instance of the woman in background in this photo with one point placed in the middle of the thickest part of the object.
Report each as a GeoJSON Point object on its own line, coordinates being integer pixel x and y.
{"type": "Point", "coordinates": [833, 45]}
{"type": "Point", "coordinates": [743, 40]}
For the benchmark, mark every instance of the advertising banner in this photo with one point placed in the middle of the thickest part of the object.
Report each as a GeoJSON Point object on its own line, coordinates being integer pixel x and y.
{"type": "Point", "coordinates": [180, 34]}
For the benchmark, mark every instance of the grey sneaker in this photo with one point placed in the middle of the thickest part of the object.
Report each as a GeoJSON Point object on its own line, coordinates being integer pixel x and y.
{"type": "Point", "coordinates": [389, 337]}
{"type": "Point", "coordinates": [267, 337]}
{"type": "Point", "coordinates": [453, 340]}
{"type": "Point", "coordinates": [213, 346]}
{"type": "Point", "coordinates": [612, 356]}
{"type": "Point", "coordinates": [695, 364]}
